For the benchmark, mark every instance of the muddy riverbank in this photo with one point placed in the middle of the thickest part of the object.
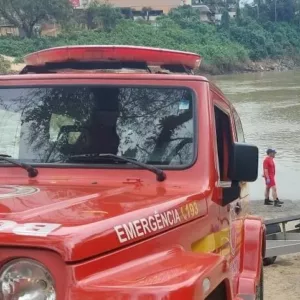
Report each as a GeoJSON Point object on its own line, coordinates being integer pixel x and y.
{"type": "Point", "coordinates": [266, 65]}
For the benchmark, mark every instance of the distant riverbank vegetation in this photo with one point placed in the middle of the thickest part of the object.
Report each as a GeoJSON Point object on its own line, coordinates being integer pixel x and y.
{"type": "Point", "coordinates": [4, 66]}
{"type": "Point", "coordinates": [266, 30]}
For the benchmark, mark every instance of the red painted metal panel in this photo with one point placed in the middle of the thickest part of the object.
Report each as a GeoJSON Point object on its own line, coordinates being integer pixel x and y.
{"type": "Point", "coordinates": [152, 56]}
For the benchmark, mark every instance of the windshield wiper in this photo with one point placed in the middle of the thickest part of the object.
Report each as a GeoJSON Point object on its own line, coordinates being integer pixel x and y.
{"type": "Point", "coordinates": [160, 174]}
{"type": "Point", "coordinates": [32, 172]}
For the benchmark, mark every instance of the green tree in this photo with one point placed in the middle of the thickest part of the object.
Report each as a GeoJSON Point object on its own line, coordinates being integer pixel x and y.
{"type": "Point", "coordinates": [184, 12]}
{"type": "Point", "coordinates": [145, 12]}
{"type": "Point", "coordinates": [4, 65]}
{"type": "Point", "coordinates": [225, 20]}
{"type": "Point", "coordinates": [103, 15]}
{"type": "Point", "coordinates": [238, 10]}
{"type": "Point", "coordinates": [25, 14]}
{"type": "Point", "coordinates": [273, 10]}
{"type": "Point", "coordinates": [185, 16]}
{"type": "Point", "coordinates": [285, 10]}
{"type": "Point", "coordinates": [258, 4]}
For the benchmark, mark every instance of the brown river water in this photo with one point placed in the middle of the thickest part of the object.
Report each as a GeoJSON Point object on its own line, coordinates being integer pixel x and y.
{"type": "Point", "coordinates": [269, 107]}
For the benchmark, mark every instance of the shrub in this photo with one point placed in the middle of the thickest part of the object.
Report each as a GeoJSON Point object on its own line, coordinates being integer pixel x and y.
{"type": "Point", "coordinates": [4, 66]}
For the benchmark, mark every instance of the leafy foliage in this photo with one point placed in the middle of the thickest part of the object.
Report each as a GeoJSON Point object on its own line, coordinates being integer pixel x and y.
{"type": "Point", "coordinates": [217, 50]}
{"type": "Point", "coordinates": [4, 65]}
{"type": "Point", "coordinates": [25, 14]}
{"type": "Point", "coordinates": [102, 15]}
{"type": "Point", "coordinates": [254, 34]}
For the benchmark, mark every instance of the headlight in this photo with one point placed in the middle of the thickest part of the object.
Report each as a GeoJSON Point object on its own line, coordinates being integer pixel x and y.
{"type": "Point", "coordinates": [26, 279]}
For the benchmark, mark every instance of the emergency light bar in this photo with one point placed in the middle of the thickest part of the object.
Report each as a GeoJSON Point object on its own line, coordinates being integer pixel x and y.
{"type": "Point", "coordinates": [152, 56]}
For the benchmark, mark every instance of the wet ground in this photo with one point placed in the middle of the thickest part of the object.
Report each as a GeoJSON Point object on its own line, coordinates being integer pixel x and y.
{"type": "Point", "coordinates": [289, 208]}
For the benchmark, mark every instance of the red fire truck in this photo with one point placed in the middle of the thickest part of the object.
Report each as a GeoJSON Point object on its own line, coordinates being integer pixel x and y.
{"type": "Point", "coordinates": [124, 176]}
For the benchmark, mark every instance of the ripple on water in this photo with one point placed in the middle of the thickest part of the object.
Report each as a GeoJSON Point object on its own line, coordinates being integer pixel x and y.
{"type": "Point", "coordinates": [269, 107]}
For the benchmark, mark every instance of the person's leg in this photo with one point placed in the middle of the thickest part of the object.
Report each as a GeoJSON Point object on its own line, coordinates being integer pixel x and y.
{"type": "Point", "coordinates": [274, 192]}
{"type": "Point", "coordinates": [267, 193]}
{"type": "Point", "coordinates": [275, 196]}
{"type": "Point", "coordinates": [267, 196]}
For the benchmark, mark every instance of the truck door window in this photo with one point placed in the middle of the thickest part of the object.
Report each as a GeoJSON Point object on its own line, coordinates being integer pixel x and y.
{"type": "Point", "coordinates": [224, 140]}
{"type": "Point", "coordinates": [238, 128]}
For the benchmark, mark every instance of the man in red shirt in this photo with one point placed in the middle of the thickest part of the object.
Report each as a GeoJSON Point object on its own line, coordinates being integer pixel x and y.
{"type": "Point", "coordinates": [269, 175]}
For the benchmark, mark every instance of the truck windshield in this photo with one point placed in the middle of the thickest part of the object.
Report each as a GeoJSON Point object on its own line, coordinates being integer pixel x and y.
{"type": "Point", "coordinates": [152, 125]}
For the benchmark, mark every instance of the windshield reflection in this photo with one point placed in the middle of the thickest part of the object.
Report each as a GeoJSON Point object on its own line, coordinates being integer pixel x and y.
{"type": "Point", "coordinates": [47, 124]}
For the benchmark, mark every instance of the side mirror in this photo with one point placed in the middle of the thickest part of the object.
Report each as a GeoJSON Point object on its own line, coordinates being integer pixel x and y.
{"type": "Point", "coordinates": [243, 163]}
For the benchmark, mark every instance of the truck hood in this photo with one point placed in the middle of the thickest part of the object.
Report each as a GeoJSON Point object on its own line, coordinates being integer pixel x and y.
{"type": "Point", "coordinates": [82, 221]}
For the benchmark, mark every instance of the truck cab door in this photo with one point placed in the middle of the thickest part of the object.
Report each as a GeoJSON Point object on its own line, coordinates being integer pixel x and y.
{"type": "Point", "coordinates": [231, 214]}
